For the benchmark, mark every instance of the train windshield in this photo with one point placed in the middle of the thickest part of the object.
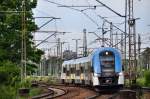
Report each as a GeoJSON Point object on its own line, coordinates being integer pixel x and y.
{"type": "Point", "coordinates": [107, 60]}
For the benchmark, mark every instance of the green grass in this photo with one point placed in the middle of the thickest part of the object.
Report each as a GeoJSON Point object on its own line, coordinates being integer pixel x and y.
{"type": "Point", "coordinates": [144, 81]}
{"type": "Point", "coordinates": [7, 92]}
{"type": "Point", "coordinates": [35, 91]}
{"type": "Point", "coordinates": [141, 81]}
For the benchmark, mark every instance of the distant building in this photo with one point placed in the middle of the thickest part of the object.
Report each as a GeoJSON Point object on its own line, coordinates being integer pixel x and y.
{"type": "Point", "coordinates": [144, 60]}
{"type": "Point", "coordinates": [50, 66]}
{"type": "Point", "coordinates": [68, 54]}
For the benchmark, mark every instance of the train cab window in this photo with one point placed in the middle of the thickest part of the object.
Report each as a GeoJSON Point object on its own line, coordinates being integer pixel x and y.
{"type": "Point", "coordinates": [107, 59]}
{"type": "Point", "coordinates": [107, 64]}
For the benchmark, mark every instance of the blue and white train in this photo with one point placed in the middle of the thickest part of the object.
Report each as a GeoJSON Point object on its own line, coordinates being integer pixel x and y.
{"type": "Point", "coordinates": [102, 68]}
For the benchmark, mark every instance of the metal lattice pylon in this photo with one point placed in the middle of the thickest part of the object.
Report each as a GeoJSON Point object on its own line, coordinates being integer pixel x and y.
{"type": "Point", "coordinates": [132, 42]}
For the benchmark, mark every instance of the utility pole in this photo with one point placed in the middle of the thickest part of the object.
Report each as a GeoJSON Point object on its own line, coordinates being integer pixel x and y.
{"type": "Point", "coordinates": [103, 32]}
{"type": "Point", "coordinates": [61, 49]}
{"type": "Point", "coordinates": [125, 30]}
{"type": "Point", "coordinates": [84, 43]}
{"type": "Point", "coordinates": [58, 47]}
{"type": "Point", "coordinates": [76, 45]}
{"type": "Point", "coordinates": [122, 50]}
{"type": "Point", "coordinates": [139, 50]}
{"type": "Point", "coordinates": [23, 43]}
{"type": "Point", "coordinates": [111, 34]}
{"type": "Point", "coordinates": [132, 43]}
{"type": "Point", "coordinates": [116, 40]}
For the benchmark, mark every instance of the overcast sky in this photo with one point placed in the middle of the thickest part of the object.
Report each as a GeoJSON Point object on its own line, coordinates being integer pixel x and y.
{"type": "Point", "coordinates": [74, 21]}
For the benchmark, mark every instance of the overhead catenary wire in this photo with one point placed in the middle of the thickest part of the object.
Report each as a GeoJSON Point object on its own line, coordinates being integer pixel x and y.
{"type": "Point", "coordinates": [47, 22]}
{"type": "Point", "coordinates": [110, 9]}
{"type": "Point", "coordinates": [70, 7]}
{"type": "Point", "coordinates": [112, 24]}
{"type": "Point", "coordinates": [61, 5]}
{"type": "Point", "coordinates": [107, 22]}
{"type": "Point", "coordinates": [45, 39]}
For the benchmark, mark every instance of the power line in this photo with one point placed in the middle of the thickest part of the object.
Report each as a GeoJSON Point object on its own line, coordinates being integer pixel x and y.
{"type": "Point", "coordinates": [112, 24]}
{"type": "Point", "coordinates": [13, 11]}
{"type": "Point", "coordinates": [47, 22]}
{"type": "Point", "coordinates": [45, 39]}
{"type": "Point", "coordinates": [70, 7]}
{"type": "Point", "coordinates": [49, 37]}
{"type": "Point", "coordinates": [82, 6]}
{"type": "Point", "coordinates": [110, 9]}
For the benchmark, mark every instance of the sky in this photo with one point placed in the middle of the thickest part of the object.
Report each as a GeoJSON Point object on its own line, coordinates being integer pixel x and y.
{"type": "Point", "coordinates": [74, 22]}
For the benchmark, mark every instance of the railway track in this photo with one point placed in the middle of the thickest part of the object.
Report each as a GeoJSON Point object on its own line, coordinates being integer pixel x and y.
{"type": "Point", "coordinates": [65, 92]}
{"type": "Point", "coordinates": [81, 92]}
{"type": "Point", "coordinates": [52, 92]}
{"type": "Point", "coordinates": [104, 94]}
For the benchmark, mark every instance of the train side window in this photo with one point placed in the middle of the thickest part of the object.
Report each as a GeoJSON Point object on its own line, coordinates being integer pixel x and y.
{"type": "Point", "coordinates": [92, 69]}
{"type": "Point", "coordinates": [64, 70]}
{"type": "Point", "coordinates": [81, 68]}
{"type": "Point", "coordinates": [78, 69]}
{"type": "Point", "coordinates": [72, 69]}
{"type": "Point", "coordinates": [67, 73]}
{"type": "Point", "coordinates": [78, 72]}
{"type": "Point", "coordinates": [68, 69]}
{"type": "Point", "coordinates": [85, 66]}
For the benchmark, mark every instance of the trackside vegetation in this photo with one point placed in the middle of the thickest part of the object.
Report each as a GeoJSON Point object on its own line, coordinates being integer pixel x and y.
{"type": "Point", "coordinates": [10, 45]}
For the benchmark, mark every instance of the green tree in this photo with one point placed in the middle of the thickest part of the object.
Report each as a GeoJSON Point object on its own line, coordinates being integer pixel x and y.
{"type": "Point", "coordinates": [146, 57]}
{"type": "Point", "coordinates": [10, 44]}
{"type": "Point", "coordinates": [11, 29]}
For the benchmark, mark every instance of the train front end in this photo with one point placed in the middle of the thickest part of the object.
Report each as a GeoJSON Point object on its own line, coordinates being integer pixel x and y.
{"type": "Point", "coordinates": [107, 68]}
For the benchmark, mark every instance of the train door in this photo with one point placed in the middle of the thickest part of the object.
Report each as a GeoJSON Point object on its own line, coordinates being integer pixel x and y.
{"type": "Point", "coordinates": [77, 74]}
{"type": "Point", "coordinates": [63, 73]}
{"type": "Point", "coordinates": [68, 73]}
{"type": "Point", "coordinates": [72, 70]}
{"type": "Point", "coordinates": [82, 73]}
{"type": "Point", "coordinates": [87, 73]}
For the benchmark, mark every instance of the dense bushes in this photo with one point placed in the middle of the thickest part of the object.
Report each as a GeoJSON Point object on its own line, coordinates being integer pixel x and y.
{"type": "Point", "coordinates": [9, 80]}
{"type": "Point", "coordinates": [147, 78]}
{"type": "Point", "coordinates": [7, 92]}
{"type": "Point", "coordinates": [9, 73]}
{"type": "Point", "coordinates": [144, 81]}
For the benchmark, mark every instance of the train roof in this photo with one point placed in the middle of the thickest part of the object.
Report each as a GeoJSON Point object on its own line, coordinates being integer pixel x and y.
{"type": "Point", "coordinates": [95, 52]}
{"type": "Point", "coordinates": [99, 50]}
{"type": "Point", "coordinates": [78, 60]}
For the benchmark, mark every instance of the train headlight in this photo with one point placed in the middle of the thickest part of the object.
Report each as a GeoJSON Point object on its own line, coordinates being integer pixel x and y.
{"type": "Point", "coordinates": [106, 53]}
{"type": "Point", "coordinates": [121, 73]}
